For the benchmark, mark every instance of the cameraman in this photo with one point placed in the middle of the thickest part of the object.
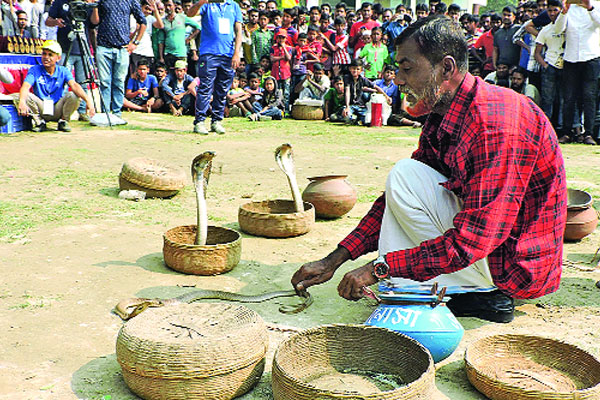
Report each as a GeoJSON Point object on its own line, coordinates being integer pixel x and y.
{"type": "Point", "coordinates": [114, 47]}
{"type": "Point", "coordinates": [59, 15]}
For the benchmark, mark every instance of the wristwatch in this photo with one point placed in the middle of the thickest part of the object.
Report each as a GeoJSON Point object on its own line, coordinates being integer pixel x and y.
{"type": "Point", "coordinates": [381, 269]}
{"type": "Point", "coordinates": [136, 42]}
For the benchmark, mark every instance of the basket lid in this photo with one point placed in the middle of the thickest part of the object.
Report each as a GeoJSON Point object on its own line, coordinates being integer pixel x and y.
{"type": "Point", "coordinates": [192, 340]}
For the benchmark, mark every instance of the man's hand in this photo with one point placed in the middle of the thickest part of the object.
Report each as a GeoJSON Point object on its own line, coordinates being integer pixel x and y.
{"type": "Point", "coordinates": [346, 112]}
{"type": "Point", "coordinates": [23, 109]}
{"type": "Point", "coordinates": [351, 285]}
{"type": "Point", "coordinates": [235, 61]}
{"type": "Point", "coordinates": [89, 108]}
{"type": "Point", "coordinates": [313, 273]}
{"type": "Point", "coordinates": [60, 22]}
{"type": "Point", "coordinates": [143, 92]}
{"type": "Point", "coordinates": [131, 47]}
{"type": "Point", "coordinates": [587, 4]}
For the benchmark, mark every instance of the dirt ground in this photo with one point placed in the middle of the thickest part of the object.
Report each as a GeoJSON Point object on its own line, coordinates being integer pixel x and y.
{"type": "Point", "coordinates": [70, 249]}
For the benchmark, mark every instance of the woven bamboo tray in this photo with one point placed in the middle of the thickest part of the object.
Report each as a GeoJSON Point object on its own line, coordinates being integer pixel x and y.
{"type": "Point", "coordinates": [353, 362]}
{"type": "Point", "coordinates": [207, 351]}
{"type": "Point", "coordinates": [306, 112]}
{"type": "Point", "coordinates": [275, 218]}
{"type": "Point", "coordinates": [521, 367]}
{"type": "Point", "coordinates": [222, 251]}
{"type": "Point", "coordinates": [145, 173]}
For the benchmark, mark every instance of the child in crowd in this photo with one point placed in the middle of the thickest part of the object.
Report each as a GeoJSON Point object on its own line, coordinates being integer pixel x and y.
{"type": "Point", "coordinates": [365, 39]}
{"type": "Point", "coordinates": [275, 18]}
{"type": "Point", "coordinates": [324, 36]}
{"type": "Point", "coordinates": [334, 102]}
{"type": "Point", "coordinates": [254, 89]}
{"type": "Point", "coordinates": [142, 91]}
{"type": "Point", "coordinates": [299, 56]}
{"type": "Point", "coordinates": [374, 55]}
{"type": "Point", "coordinates": [261, 38]}
{"type": "Point", "coordinates": [237, 100]}
{"type": "Point", "coordinates": [314, 85]}
{"type": "Point", "coordinates": [338, 44]}
{"type": "Point", "coordinates": [314, 46]}
{"type": "Point", "coordinates": [271, 106]}
{"type": "Point", "coordinates": [289, 15]}
{"type": "Point", "coordinates": [281, 69]}
{"type": "Point", "coordinates": [243, 78]}
{"type": "Point", "coordinates": [179, 90]}
{"type": "Point", "coordinates": [399, 116]}
{"type": "Point", "coordinates": [358, 92]}
{"type": "Point", "coordinates": [264, 70]}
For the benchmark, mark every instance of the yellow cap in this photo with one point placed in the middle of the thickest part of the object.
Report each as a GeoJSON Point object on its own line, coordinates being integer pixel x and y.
{"type": "Point", "coordinates": [180, 64]}
{"type": "Point", "coordinates": [53, 46]}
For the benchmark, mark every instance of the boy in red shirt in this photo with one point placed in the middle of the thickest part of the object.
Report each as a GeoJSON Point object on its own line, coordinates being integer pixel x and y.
{"type": "Point", "coordinates": [314, 47]}
{"type": "Point", "coordinates": [281, 70]}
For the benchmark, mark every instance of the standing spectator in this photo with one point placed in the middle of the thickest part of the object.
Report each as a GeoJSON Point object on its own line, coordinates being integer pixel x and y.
{"type": "Point", "coordinates": [422, 11]}
{"type": "Point", "coordinates": [261, 39]}
{"type": "Point", "coordinates": [386, 17]}
{"type": "Point", "coordinates": [552, 63]}
{"type": "Point", "coordinates": [249, 28]}
{"type": "Point", "coordinates": [341, 10]}
{"type": "Point", "coordinates": [469, 24]}
{"type": "Point", "coordinates": [324, 36]}
{"type": "Point", "coordinates": [299, 56]}
{"type": "Point", "coordinates": [49, 101]}
{"type": "Point", "coordinates": [261, 5]}
{"type": "Point", "coordinates": [314, 16]}
{"type": "Point", "coordinates": [24, 30]}
{"type": "Point", "coordinates": [302, 25]}
{"type": "Point", "coordinates": [338, 44]}
{"type": "Point", "coordinates": [174, 43]}
{"type": "Point", "coordinates": [581, 24]}
{"type": "Point", "coordinates": [271, 5]}
{"type": "Point", "coordinates": [374, 55]}
{"type": "Point", "coordinates": [394, 27]}
{"type": "Point", "coordinates": [366, 23]}
{"type": "Point", "coordinates": [144, 51]}
{"type": "Point", "coordinates": [220, 46]}
{"type": "Point", "coordinates": [454, 12]}
{"type": "Point", "coordinates": [314, 46]}
{"type": "Point", "coordinates": [58, 16]}
{"type": "Point", "coordinates": [505, 51]}
{"type": "Point", "coordinates": [281, 69]}
{"type": "Point", "coordinates": [486, 42]}
{"type": "Point", "coordinates": [289, 14]}
{"type": "Point", "coordinates": [114, 47]}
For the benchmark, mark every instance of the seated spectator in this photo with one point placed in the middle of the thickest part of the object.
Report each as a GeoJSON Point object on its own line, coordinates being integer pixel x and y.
{"type": "Point", "coordinates": [179, 90]}
{"type": "Point", "coordinates": [500, 76]}
{"type": "Point", "coordinates": [334, 102]}
{"type": "Point", "coordinates": [518, 83]}
{"type": "Point", "coordinates": [237, 101]}
{"type": "Point", "coordinates": [254, 89]}
{"type": "Point", "coordinates": [390, 89]}
{"type": "Point", "coordinates": [243, 78]}
{"type": "Point", "coordinates": [358, 91]}
{"type": "Point", "coordinates": [374, 55]}
{"type": "Point", "coordinates": [24, 30]}
{"type": "Point", "coordinates": [314, 85]}
{"type": "Point", "coordinates": [142, 91]}
{"type": "Point", "coordinates": [49, 102]}
{"type": "Point", "coordinates": [271, 106]}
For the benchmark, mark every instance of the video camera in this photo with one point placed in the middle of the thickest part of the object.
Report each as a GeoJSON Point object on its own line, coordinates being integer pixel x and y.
{"type": "Point", "coordinates": [79, 10]}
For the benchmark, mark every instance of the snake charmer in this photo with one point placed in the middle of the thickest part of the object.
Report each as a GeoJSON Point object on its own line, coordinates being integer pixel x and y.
{"type": "Point", "coordinates": [482, 202]}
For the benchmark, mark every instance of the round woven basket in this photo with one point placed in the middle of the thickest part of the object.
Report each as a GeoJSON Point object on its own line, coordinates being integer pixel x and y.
{"type": "Point", "coordinates": [222, 251]}
{"type": "Point", "coordinates": [275, 218]}
{"type": "Point", "coordinates": [146, 173]}
{"type": "Point", "coordinates": [522, 367]}
{"type": "Point", "coordinates": [302, 111]}
{"type": "Point", "coordinates": [353, 362]}
{"type": "Point", "coordinates": [124, 184]}
{"type": "Point", "coordinates": [206, 351]}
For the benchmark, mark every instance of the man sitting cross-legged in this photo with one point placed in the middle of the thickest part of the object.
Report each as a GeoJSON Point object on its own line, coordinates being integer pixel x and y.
{"type": "Point", "coordinates": [49, 102]}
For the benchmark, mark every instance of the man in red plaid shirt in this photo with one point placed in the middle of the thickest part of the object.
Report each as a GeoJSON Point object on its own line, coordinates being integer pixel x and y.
{"type": "Point", "coordinates": [482, 203]}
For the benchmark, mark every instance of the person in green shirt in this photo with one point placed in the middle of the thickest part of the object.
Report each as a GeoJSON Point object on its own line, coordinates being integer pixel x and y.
{"type": "Point", "coordinates": [173, 45]}
{"type": "Point", "coordinates": [334, 101]}
{"type": "Point", "coordinates": [374, 54]}
{"type": "Point", "coordinates": [262, 38]}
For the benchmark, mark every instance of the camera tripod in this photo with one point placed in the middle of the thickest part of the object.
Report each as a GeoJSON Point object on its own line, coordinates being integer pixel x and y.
{"type": "Point", "coordinates": [89, 66]}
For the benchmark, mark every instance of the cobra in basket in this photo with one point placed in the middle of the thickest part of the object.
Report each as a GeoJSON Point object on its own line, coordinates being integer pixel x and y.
{"type": "Point", "coordinates": [201, 249]}
{"type": "Point", "coordinates": [279, 218]}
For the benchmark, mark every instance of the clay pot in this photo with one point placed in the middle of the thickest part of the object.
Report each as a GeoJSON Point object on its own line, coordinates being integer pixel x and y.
{"type": "Point", "coordinates": [580, 223]}
{"type": "Point", "coordinates": [582, 218]}
{"type": "Point", "coordinates": [331, 195]}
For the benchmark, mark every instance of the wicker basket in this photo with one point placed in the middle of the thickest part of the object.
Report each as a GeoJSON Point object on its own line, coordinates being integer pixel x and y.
{"type": "Point", "coordinates": [199, 351]}
{"type": "Point", "coordinates": [301, 111]}
{"type": "Point", "coordinates": [275, 218]}
{"type": "Point", "coordinates": [334, 361]}
{"type": "Point", "coordinates": [145, 173]}
{"type": "Point", "coordinates": [222, 251]}
{"type": "Point", "coordinates": [519, 367]}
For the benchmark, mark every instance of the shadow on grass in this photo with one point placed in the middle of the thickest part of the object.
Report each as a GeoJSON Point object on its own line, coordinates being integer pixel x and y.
{"type": "Point", "coordinates": [573, 292]}
{"type": "Point", "coordinates": [110, 192]}
{"type": "Point", "coordinates": [451, 379]}
{"type": "Point", "coordinates": [153, 262]}
{"type": "Point", "coordinates": [101, 379]}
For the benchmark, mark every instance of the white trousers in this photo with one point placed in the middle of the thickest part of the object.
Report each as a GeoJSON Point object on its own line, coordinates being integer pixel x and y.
{"type": "Point", "coordinates": [417, 209]}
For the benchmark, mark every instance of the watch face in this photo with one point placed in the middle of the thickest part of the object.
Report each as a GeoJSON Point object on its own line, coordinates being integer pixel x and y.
{"type": "Point", "coordinates": [381, 270]}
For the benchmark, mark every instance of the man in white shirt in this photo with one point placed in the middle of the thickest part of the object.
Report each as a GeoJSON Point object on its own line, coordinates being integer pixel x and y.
{"type": "Point", "coordinates": [551, 62]}
{"type": "Point", "coordinates": [581, 24]}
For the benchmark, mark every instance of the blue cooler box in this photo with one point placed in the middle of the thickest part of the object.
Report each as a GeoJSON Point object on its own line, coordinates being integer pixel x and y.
{"type": "Point", "coordinates": [16, 123]}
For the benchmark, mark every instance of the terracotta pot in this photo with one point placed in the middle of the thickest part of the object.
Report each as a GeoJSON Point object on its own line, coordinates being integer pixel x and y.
{"type": "Point", "coordinates": [331, 195]}
{"type": "Point", "coordinates": [580, 222]}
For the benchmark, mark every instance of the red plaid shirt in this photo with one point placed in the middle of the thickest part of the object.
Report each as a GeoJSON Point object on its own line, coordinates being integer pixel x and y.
{"type": "Point", "coordinates": [502, 158]}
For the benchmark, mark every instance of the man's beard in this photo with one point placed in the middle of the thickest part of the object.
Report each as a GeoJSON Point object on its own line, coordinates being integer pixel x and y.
{"type": "Point", "coordinates": [433, 97]}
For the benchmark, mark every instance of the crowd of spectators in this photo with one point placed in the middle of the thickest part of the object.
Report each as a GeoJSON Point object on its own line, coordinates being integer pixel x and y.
{"type": "Point", "coordinates": [150, 57]}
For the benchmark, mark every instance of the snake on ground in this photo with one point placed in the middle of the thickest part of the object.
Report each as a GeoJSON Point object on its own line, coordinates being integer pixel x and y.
{"type": "Point", "coordinates": [129, 308]}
